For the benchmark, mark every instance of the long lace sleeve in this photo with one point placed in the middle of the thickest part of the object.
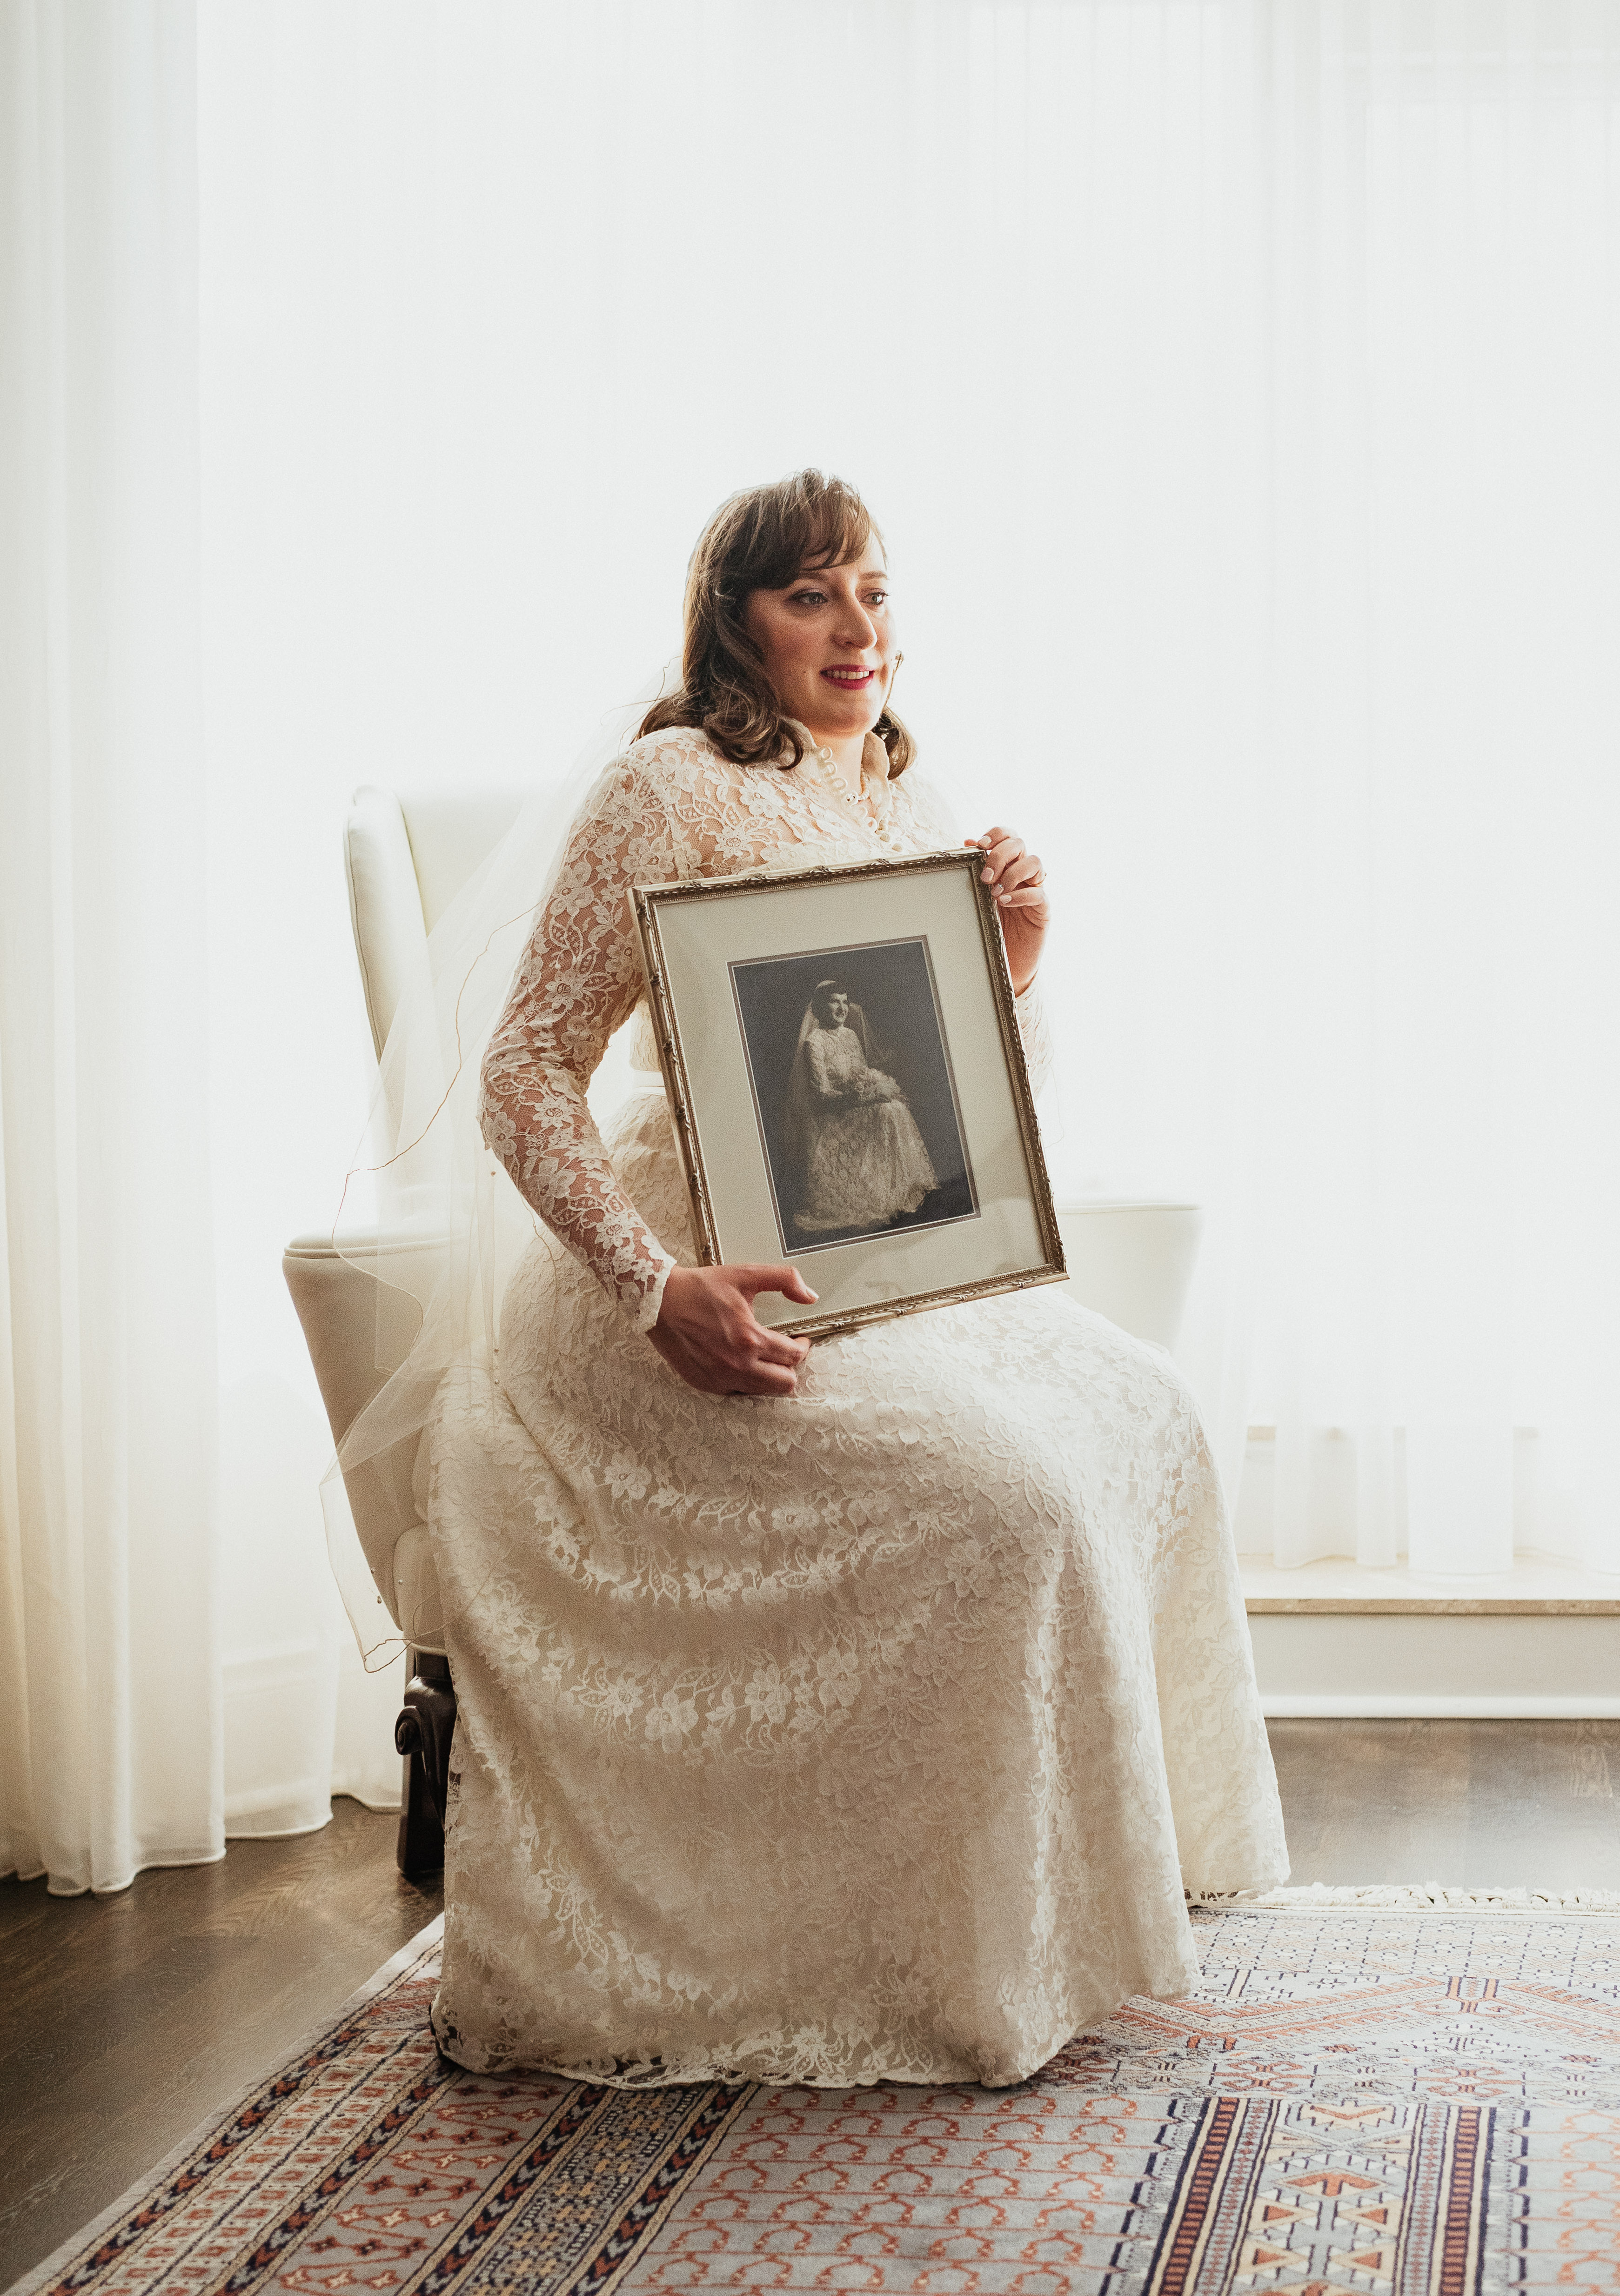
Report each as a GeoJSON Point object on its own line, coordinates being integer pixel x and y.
{"type": "Point", "coordinates": [579, 978]}
{"type": "Point", "coordinates": [844, 1081]}
{"type": "Point", "coordinates": [934, 824]}
{"type": "Point", "coordinates": [1035, 1030]}
{"type": "Point", "coordinates": [822, 1082]}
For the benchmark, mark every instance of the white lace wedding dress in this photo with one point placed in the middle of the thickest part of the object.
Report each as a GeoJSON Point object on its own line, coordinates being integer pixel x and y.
{"type": "Point", "coordinates": [866, 1160]}
{"type": "Point", "coordinates": [867, 1733]}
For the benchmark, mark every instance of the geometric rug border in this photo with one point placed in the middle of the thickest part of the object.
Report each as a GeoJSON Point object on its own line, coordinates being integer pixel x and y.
{"type": "Point", "coordinates": [55, 2266]}
{"type": "Point", "coordinates": [1210, 2207]}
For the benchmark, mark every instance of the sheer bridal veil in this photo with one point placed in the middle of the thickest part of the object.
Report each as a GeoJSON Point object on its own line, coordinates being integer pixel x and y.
{"type": "Point", "coordinates": [427, 1213]}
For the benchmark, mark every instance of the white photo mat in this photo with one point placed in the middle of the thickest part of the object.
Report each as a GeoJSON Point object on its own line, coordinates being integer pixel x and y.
{"type": "Point", "coordinates": [701, 937]}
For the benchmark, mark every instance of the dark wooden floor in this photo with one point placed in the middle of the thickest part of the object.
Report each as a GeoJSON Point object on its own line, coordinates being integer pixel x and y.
{"type": "Point", "coordinates": [1469, 1805]}
{"type": "Point", "coordinates": [128, 2020]}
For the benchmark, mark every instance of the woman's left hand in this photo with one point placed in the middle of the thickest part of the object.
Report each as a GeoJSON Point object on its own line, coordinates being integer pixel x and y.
{"type": "Point", "coordinates": [1020, 900]}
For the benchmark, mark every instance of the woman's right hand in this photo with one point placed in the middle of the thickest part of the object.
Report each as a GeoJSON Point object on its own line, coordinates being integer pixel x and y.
{"type": "Point", "coordinates": [707, 1331]}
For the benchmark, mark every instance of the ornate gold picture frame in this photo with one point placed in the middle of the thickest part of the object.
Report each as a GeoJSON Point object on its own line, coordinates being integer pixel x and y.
{"type": "Point", "coordinates": [842, 1056]}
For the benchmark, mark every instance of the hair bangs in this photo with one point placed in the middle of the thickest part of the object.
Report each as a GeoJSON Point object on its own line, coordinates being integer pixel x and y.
{"type": "Point", "coordinates": [836, 531]}
{"type": "Point", "coordinates": [807, 520]}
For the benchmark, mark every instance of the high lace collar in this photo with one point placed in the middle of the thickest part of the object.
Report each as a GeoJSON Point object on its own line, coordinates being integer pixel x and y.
{"type": "Point", "coordinates": [872, 804]}
{"type": "Point", "coordinates": [874, 757]}
{"type": "Point", "coordinates": [874, 761]}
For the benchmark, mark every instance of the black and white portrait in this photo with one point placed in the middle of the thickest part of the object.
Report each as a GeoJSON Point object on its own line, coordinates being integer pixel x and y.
{"type": "Point", "coordinates": [853, 1089]}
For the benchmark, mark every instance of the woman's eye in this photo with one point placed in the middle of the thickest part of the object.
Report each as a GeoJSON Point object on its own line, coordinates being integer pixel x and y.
{"type": "Point", "coordinates": [809, 597]}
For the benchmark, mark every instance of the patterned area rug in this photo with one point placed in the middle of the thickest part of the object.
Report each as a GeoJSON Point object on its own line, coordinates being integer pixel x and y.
{"type": "Point", "coordinates": [1374, 2094]}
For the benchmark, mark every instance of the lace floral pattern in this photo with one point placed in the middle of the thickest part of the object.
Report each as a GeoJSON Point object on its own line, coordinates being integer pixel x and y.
{"type": "Point", "coordinates": [867, 1733]}
{"type": "Point", "coordinates": [865, 1158]}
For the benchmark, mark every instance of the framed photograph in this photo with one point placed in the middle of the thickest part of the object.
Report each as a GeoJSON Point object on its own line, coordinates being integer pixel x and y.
{"type": "Point", "coordinates": [843, 1060]}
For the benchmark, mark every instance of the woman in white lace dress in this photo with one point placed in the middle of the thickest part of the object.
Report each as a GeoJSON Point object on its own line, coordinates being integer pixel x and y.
{"type": "Point", "coordinates": [849, 1129]}
{"type": "Point", "coordinates": [836, 1713]}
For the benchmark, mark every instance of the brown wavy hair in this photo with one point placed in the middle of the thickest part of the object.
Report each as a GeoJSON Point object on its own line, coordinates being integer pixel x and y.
{"type": "Point", "coordinates": [761, 539]}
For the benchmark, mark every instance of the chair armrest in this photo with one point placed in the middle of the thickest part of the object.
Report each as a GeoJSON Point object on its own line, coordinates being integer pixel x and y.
{"type": "Point", "coordinates": [359, 1331]}
{"type": "Point", "coordinates": [1132, 1260]}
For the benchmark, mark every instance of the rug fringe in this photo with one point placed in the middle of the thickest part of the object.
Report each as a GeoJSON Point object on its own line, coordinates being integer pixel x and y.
{"type": "Point", "coordinates": [1317, 1897]}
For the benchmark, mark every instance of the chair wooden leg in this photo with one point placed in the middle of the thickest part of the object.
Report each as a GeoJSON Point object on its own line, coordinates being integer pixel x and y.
{"type": "Point", "coordinates": [422, 1735]}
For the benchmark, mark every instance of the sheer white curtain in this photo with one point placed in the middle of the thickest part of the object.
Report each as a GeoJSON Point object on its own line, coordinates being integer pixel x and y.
{"type": "Point", "coordinates": [1433, 1237]}
{"type": "Point", "coordinates": [107, 1354]}
{"type": "Point", "coordinates": [1235, 381]}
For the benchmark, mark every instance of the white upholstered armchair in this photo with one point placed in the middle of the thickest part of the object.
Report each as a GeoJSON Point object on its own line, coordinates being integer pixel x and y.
{"type": "Point", "coordinates": [405, 860]}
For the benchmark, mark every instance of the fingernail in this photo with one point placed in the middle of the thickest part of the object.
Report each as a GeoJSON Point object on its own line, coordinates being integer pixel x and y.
{"type": "Point", "coordinates": [986, 876]}
{"type": "Point", "coordinates": [1003, 897]}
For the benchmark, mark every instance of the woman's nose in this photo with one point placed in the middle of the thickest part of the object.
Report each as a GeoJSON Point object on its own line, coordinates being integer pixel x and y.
{"type": "Point", "coordinates": [858, 628]}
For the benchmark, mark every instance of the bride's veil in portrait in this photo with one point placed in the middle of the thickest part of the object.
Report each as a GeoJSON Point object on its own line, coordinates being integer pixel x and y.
{"type": "Point", "coordinates": [798, 1112]}
{"type": "Point", "coordinates": [428, 1214]}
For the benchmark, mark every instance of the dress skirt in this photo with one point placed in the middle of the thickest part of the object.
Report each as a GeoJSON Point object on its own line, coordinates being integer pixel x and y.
{"type": "Point", "coordinates": [869, 1733]}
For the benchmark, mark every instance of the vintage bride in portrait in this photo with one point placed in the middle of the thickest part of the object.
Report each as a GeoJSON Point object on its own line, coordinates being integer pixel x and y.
{"type": "Point", "coordinates": [848, 1712]}
{"type": "Point", "coordinates": [849, 1135]}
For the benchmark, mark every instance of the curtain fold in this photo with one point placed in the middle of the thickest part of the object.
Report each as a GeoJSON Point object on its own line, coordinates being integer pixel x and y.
{"type": "Point", "coordinates": [1426, 1132]}
{"type": "Point", "coordinates": [109, 1397]}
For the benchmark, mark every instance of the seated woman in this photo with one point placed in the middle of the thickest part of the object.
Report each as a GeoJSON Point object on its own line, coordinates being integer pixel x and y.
{"type": "Point", "coordinates": [849, 1129]}
{"type": "Point", "coordinates": [848, 1713]}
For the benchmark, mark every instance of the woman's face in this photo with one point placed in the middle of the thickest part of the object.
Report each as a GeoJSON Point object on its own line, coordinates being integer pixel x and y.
{"type": "Point", "coordinates": [829, 644]}
{"type": "Point", "coordinates": [838, 1009]}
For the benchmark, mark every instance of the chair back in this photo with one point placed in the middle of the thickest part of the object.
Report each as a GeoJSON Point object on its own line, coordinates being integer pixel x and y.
{"type": "Point", "coordinates": [406, 858]}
